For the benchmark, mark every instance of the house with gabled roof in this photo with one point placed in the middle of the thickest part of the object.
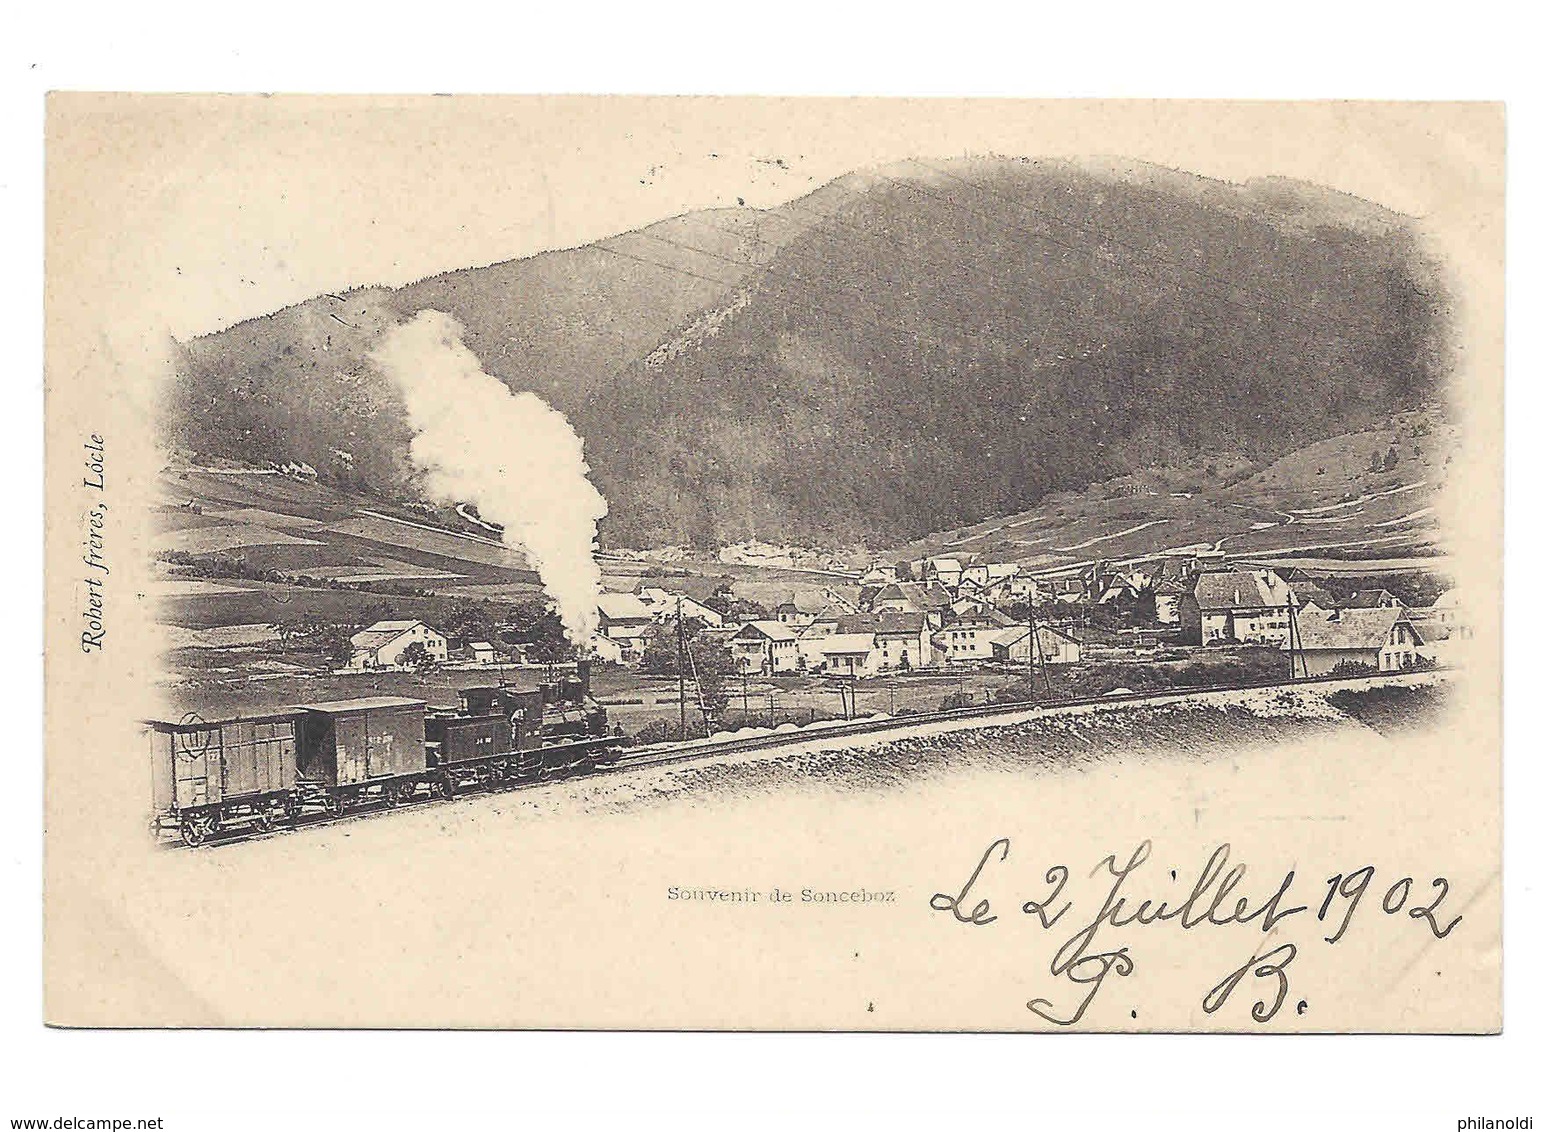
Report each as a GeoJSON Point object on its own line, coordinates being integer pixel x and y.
{"type": "Point", "coordinates": [944, 571]}
{"type": "Point", "coordinates": [846, 654]}
{"type": "Point", "coordinates": [384, 643]}
{"type": "Point", "coordinates": [764, 648]}
{"type": "Point", "coordinates": [968, 638]}
{"type": "Point", "coordinates": [1046, 644]}
{"type": "Point", "coordinates": [1380, 637]}
{"type": "Point", "coordinates": [902, 640]}
{"type": "Point", "coordinates": [1238, 606]}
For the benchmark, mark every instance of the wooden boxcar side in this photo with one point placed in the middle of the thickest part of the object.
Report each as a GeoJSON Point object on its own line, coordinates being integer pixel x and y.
{"type": "Point", "coordinates": [213, 763]}
{"type": "Point", "coordinates": [356, 741]}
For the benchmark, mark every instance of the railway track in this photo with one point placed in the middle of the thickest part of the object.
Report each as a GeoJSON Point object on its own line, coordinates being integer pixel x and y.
{"type": "Point", "coordinates": [676, 753]}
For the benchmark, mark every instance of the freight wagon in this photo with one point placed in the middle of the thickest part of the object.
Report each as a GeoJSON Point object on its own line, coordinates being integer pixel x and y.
{"type": "Point", "coordinates": [354, 751]}
{"type": "Point", "coordinates": [229, 774]}
{"type": "Point", "coordinates": [324, 758]}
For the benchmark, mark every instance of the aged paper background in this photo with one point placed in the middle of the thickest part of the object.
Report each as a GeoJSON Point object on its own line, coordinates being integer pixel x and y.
{"type": "Point", "coordinates": [154, 208]}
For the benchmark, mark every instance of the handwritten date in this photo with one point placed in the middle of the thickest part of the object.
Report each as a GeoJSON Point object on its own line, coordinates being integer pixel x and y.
{"type": "Point", "coordinates": [1221, 896]}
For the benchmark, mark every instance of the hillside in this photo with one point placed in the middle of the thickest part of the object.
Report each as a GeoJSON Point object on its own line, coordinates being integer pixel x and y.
{"type": "Point", "coordinates": [1334, 506]}
{"type": "Point", "coordinates": [904, 351]}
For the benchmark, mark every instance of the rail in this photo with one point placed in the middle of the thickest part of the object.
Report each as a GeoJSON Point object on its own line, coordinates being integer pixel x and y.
{"type": "Point", "coordinates": [678, 752]}
{"type": "Point", "coordinates": [691, 751]}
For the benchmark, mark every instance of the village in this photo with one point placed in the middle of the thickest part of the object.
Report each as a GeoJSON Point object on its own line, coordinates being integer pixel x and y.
{"type": "Point", "coordinates": [949, 632]}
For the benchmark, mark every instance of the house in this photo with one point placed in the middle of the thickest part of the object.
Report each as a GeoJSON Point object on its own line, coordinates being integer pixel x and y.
{"type": "Point", "coordinates": [608, 650]}
{"type": "Point", "coordinates": [1070, 589]}
{"type": "Point", "coordinates": [802, 606]}
{"type": "Point", "coordinates": [901, 640]}
{"type": "Point", "coordinates": [944, 571]}
{"type": "Point", "coordinates": [1169, 599]}
{"type": "Point", "coordinates": [911, 597]}
{"type": "Point", "coordinates": [847, 654]}
{"type": "Point", "coordinates": [880, 574]}
{"type": "Point", "coordinates": [663, 606]}
{"type": "Point", "coordinates": [626, 620]}
{"type": "Point", "coordinates": [482, 652]}
{"type": "Point", "coordinates": [384, 643]}
{"type": "Point", "coordinates": [983, 575]}
{"type": "Point", "coordinates": [1309, 592]}
{"type": "Point", "coordinates": [1443, 642]}
{"type": "Point", "coordinates": [764, 648]}
{"type": "Point", "coordinates": [1042, 644]}
{"type": "Point", "coordinates": [1238, 606]}
{"type": "Point", "coordinates": [1447, 608]}
{"type": "Point", "coordinates": [968, 639]}
{"type": "Point", "coordinates": [1380, 637]}
{"type": "Point", "coordinates": [1373, 599]}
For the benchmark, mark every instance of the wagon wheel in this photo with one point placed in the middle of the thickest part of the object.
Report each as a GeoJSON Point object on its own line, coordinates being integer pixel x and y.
{"type": "Point", "coordinates": [264, 821]}
{"type": "Point", "coordinates": [401, 793]}
{"type": "Point", "coordinates": [445, 788]}
{"type": "Point", "coordinates": [196, 830]}
{"type": "Point", "coordinates": [291, 808]}
{"type": "Point", "coordinates": [332, 805]}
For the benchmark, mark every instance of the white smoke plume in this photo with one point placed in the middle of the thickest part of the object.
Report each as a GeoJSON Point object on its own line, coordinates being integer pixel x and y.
{"type": "Point", "coordinates": [511, 454]}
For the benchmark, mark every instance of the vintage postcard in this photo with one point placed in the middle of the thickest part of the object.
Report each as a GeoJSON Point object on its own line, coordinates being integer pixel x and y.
{"type": "Point", "coordinates": [773, 564]}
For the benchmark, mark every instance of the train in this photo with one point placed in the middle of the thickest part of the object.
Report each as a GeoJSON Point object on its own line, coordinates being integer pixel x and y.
{"type": "Point", "coordinates": [255, 773]}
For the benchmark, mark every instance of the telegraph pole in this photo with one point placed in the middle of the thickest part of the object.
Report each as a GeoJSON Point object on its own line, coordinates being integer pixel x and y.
{"type": "Point", "coordinates": [680, 662]}
{"type": "Point", "coordinates": [1033, 644]}
{"type": "Point", "coordinates": [1295, 641]}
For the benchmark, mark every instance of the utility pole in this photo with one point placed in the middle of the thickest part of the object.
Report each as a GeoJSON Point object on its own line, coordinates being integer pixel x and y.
{"type": "Point", "coordinates": [1295, 641]}
{"type": "Point", "coordinates": [771, 705]}
{"type": "Point", "coordinates": [680, 662]}
{"type": "Point", "coordinates": [1033, 644]}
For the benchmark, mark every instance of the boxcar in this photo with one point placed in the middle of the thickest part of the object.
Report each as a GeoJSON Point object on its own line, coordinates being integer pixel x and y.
{"type": "Point", "coordinates": [352, 748]}
{"type": "Point", "coordinates": [209, 776]}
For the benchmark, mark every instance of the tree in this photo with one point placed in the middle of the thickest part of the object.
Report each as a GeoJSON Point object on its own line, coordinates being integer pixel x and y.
{"type": "Point", "coordinates": [334, 642]}
{"type": "Point", "coordinates": [417, 657]}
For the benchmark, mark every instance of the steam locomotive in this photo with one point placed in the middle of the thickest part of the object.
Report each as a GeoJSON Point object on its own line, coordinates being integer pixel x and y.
{"type": "Point", "coordinates": [255, 773]}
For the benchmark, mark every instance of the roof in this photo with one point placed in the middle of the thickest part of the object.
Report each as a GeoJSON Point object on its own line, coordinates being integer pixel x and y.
{"type": "Point", "coordinates": [1432, 632]}
{"type": "Point", "coordinates": [846, 643]}
{"type": "Point", "coordinates": [623, 607]}
{"type": "Point", "coordinates": [923, 596]}
{"type": "Point", "coordinates": [948, 565]}
{"type": "Point", "coordinates": [1242, 589]}
{"type": "Point", "coordinates": [771, 630]}
{"type": "Point", "coordinates": [1370, 599]}
{"type": "Point", "coordinates": [1307, 590]}
{"type": "Point", "coordinates": [366, 703]}
{"type": "Point", "coordinates": [1009, 637]}
{"type": "Point", "coordinates": [1451, 599]}
{"type": "Point", "coordinates": [383, 632]}
{"type": "Point", "coordinates": [1347, 628]}
{"type": "Point", "coordinates": [481, 645]}
{"type": "Point", "coordinates": [905, 623]}
{"type": "Point", "coordinates": [985, 615]}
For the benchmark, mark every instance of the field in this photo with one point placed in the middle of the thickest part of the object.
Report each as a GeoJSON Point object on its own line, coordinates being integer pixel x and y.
{"type": "Point", "coordinates": [1333, 506]}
